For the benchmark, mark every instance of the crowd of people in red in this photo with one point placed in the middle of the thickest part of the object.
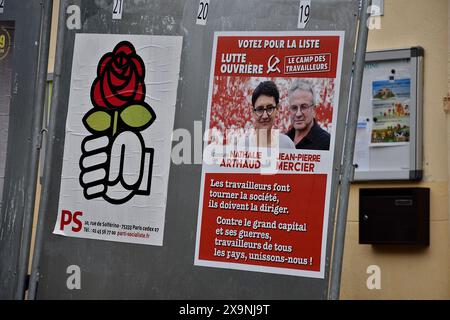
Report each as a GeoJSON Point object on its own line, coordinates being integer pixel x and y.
{"type": "Point", "coordinates": [232, 106]}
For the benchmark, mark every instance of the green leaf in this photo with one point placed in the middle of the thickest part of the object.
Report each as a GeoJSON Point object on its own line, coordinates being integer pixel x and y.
{"type": "Point", "coordinates": [136, 116]}
{"type": "Point", "coordinates": [99, 121]}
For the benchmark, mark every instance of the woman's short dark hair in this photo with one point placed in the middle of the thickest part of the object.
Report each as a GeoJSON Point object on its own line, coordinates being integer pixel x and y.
{"type": "Point", "coordinates": [266, 88]}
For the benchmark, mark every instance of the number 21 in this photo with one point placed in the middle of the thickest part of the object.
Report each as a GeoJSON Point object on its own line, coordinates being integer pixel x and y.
{"type": "Point", "coordinates": [117, 6]}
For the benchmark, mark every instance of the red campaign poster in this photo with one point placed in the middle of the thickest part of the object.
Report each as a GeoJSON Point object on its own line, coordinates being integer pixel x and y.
{"type": "Point", "coordinates": [267, 165]}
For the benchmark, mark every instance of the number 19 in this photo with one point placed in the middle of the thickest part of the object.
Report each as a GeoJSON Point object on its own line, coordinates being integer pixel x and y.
{"type": "Point", "coordinates": [304, 13]}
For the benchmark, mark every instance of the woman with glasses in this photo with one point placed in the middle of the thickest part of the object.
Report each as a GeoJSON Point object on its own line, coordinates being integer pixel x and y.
{"type": "Point", "coordinates": [265, 103]}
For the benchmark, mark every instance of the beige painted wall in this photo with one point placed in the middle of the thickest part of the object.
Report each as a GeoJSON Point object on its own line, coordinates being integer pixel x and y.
{"type": "Point", "coordinates": [51, 56]}
{"type": "Point", "coordinates": [406, 273]}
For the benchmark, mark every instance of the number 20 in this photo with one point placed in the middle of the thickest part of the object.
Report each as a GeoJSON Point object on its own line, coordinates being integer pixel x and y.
{"type": "Point", "coordinates": [203, 12]}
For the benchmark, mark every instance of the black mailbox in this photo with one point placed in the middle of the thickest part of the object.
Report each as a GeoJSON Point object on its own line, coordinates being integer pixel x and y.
{"type": "Point", "coordinates": [394, 216]}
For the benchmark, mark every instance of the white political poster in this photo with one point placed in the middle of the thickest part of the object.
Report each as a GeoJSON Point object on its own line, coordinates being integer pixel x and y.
{"type": "Point", "coordinates": [118, 137]}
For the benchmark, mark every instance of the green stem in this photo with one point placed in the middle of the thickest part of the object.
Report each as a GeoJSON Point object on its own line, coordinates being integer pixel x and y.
{"type": "Point", "coordinates": [116, 117]}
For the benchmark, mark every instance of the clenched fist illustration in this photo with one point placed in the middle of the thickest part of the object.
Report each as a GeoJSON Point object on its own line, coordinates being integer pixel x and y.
{"type": "Point", "coordinates": [115, 163]}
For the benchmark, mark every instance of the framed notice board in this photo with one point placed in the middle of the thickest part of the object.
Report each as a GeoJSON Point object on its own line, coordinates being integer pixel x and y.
{"type": "Point", "coordinates": [389, 133]}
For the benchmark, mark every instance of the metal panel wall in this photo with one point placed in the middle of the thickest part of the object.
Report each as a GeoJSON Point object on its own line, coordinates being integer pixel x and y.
{"type": "Point", "coordinates": [16, 135]}
{"type": "Point", "coordinates": [111, 270]}
{"type": "Point", "coordinates": [6, 60]}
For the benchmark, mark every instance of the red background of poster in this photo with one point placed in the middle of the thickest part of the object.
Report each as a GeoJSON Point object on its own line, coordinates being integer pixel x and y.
{"type": "Point", "coordinates": [231, 106]}
{"type": "Point", "coordinates": [229, 44]}
{"type": "Point", "coordinates": [306, 205]}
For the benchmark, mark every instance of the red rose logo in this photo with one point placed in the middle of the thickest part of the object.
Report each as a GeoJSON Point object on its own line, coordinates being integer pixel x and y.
{"type": "Point", "coordinates": [118, 94]}
{"type": "Point", "coordinates": [120, 78]}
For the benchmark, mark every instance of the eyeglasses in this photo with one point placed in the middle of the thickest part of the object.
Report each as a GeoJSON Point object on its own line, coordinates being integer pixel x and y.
{"type": "Point", "coordinates": [303, 107]}
{"type": "Point", "coordinates": [269, 109]}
